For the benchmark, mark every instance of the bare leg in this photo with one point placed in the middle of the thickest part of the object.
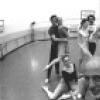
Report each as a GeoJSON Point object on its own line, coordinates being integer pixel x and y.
{"type": "Point", "coordinates": [81, 59]}
{"type": "Point", "coordinates": [83, 86]}
{"type": "Point", "coordinates": [49, 93]}
{"type": "Point", "coordinates": [60, 49]}
{"type": "Point", "coordinates": [60, 89]}
{"type": "Point", "coordinates": [80, 63]}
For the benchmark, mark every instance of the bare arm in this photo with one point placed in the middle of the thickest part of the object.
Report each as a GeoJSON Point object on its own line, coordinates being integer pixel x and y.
{"type": "Point", "coordinates": [52, 63]}
{"type": "Point", "coordinates": [59, 39]}
{"type": "Point", "coordinates": [79, 38]}
{"type": "Point", "coordinates": [56, 60]}
{"type": "Point", "coordinates": [97, 33]}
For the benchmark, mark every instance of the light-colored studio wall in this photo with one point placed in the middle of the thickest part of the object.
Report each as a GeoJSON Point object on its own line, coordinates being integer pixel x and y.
{"type": "Point", "coordinates": [18, 14]}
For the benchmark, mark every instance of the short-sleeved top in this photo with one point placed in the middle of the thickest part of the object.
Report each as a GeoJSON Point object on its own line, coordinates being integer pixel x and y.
{"type": "Point", "coordinates": [91, 30]}
{"type": "Point", "coordinates": [69, 77]}
{"type": "Point", "coordinates": [53, 30]}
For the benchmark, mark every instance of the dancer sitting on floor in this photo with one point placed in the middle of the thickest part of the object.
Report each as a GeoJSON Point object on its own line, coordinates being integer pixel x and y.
{"type": "Point", "coordinates": [68, 83]}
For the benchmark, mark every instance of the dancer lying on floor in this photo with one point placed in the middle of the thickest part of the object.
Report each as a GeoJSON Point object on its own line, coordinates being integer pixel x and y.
{"type": "Point", "coordinates": [68, 83]}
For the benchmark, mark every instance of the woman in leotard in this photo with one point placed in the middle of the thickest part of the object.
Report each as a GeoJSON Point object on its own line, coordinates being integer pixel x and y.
{"type": "Point", "coordinates": [68, 83]}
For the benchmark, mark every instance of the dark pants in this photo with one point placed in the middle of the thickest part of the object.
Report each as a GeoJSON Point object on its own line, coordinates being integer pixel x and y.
{"type": "Point", "coordinates": [53, 55]}
{"type": "Point", "coordinates": [92, 47]}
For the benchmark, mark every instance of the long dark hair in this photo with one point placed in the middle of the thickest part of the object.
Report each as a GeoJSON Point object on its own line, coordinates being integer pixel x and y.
{"type": "Point", "coordinates": [64, 56]}
{"type": "Point", "coordinates": [83, 21]}
{"type": "Point", "coordinates": [53, 16]}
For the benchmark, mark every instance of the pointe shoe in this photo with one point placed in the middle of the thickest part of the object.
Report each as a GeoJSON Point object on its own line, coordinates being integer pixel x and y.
{"type": "Point", "coordinates": [79, 95]}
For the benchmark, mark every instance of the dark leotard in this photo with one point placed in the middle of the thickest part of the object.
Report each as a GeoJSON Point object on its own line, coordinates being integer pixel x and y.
{"type": "Point", "coordinates": [69, 77]}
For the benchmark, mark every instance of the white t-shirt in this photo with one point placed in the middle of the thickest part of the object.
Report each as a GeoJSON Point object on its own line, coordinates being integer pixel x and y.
{"type": "Point", "coordinates": [92, 30]}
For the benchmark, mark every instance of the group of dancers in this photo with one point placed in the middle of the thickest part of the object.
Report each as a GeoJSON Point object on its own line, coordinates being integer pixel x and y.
{"type": "Point", "coordinates": [70, 84]}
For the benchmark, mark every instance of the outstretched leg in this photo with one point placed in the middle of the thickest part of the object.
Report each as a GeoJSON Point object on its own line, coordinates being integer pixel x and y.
{"type": "Point", "coordinates": [60, 89]}
{"type": "Point", "coordinates": [83, 87]}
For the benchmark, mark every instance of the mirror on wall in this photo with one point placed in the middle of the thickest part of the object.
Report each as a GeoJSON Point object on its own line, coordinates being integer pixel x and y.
{"type": "Point", "coordinates": [85, 13]}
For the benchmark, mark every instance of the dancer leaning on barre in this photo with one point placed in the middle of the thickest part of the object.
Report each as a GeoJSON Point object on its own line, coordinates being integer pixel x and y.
{"type": "Point", "coordinates": [68, 83]}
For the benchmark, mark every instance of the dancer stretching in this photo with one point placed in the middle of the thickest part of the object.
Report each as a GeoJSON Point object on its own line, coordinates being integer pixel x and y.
{"type": "Point", "coordinates": [68, 83]}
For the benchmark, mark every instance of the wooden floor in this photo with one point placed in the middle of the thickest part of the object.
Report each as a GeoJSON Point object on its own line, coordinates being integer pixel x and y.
{"type": "Point", "coordinates": [21, 75]}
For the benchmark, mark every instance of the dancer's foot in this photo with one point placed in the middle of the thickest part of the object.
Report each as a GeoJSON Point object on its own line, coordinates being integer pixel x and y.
{"type": "Point", "coordinates": [76, 95]}
{"type": "Point", "coordinates": [79, 95]}
{"type": "Point", "coordinates": [49, 93]}
{"type": "Point", "coordinates": [45, 88]}
{"type": "Point", "coordinates": [47, 81]}
{"type": "Point", "coordinates": [65, 96]}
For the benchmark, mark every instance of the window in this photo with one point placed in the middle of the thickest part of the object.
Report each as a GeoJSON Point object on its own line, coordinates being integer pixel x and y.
{"type": "Point", "coordinates": [1, 26]}
{"type": "Point", "coordinates": [85, 13]}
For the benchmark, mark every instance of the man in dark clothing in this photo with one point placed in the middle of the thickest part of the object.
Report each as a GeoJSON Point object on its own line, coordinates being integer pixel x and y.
{"type": "Point", "coordinates": [92, 30]}
{"type": "Point", "coordinates": [53, 33]}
